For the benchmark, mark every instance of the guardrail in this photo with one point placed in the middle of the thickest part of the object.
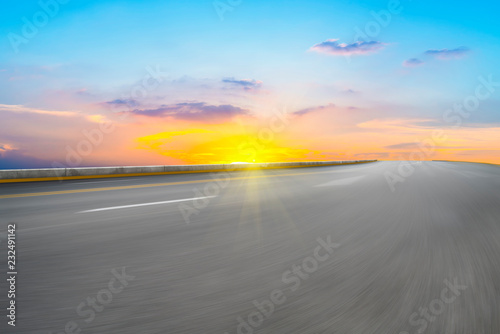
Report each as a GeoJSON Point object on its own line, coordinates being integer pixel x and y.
{"type": "Point", "coordinates": [50, 174]}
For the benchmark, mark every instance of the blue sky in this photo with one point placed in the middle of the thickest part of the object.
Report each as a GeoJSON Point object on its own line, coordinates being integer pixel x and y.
{"type": "Point", "coordinates": [91, 52]}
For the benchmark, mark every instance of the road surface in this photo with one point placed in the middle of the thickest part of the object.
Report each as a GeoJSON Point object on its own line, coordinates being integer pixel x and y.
{"type": "Point", "coordinates": [305, 250]}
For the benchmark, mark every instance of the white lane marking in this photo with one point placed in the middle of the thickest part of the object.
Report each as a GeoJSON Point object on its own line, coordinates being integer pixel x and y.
{"type": "Point", "coordinates": [342, 182]}
{"type": "Point", "coordinates": [144, 204]}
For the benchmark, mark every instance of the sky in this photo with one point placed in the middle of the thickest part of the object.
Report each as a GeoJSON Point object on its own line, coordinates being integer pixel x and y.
{"type": "Point", "coordinates": [107, 83]}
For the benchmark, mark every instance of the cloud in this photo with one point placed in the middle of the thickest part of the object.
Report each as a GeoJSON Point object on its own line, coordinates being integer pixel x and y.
{"type": "Point", "coordinates": [350, 91]}
{"type": "Point", "coordinates": [17, 108]}
{"type": "Point", "coordinates": [403, 146]}
{"type": "Point", "coordinates": [420, 146]}
{"type": "Point", "coordinates": [5, 148]}
{"type": "Point", "coordinates": [11, 158]}
{"type": "Point", "coordinates": [247, 84]}
{"type": "Point", "coordinates": [333, 47]}
{"type": "Point", "coordinates": [166, 136]}
{"type": "Point", "coordinates": [312, 109]}
{"type": "Point", "coordinates": [445, 54]}
{"type": "Point", "coordinates": [413, 62]}
{"type": "Point", "coordinates": [194, 111]}
{"type": "Point", "coordinates": [20, 109]}
{"type": "Point", "coordinates": [123, 102]}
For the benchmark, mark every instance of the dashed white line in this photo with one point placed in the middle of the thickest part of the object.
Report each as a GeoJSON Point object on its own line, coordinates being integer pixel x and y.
{"type": "Point", "coordinates": [144, 204]}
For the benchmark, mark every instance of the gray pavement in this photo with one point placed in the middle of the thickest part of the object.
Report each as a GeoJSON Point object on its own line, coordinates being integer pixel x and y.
{"type": "Point", "coordinates": [306, 250]}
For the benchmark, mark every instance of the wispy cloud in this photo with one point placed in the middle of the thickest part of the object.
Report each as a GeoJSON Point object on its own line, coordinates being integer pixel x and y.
{"type": "Point", "coordinates": [448, 53]}
{"type": "Point", "coordinates": [413, 62]}
{"type": "Point", "coordinates": [333, 47]}
{"type": "Point", "coordinates": [123, 102]}
{"type": "Point", "coordinates": [195, 111]}
{"type": "Point", "coordinates": [20, 109]}
{"type": "Point", "coordinates": [17, 108]}
{"type": "Point", "coordinates": [158, 140]}
{"type": "Point", "coordinates": [413, 146]}
{"type": "Point", "coordinates": [402, 146]}
{"type": "Point", "coordinates": [246, 84]}
{"type": "Point", "coordinates": [312, 109]}
{"type": "Point", "coordinates": [350, 91]}
{"type": "Point", "coordinates": [5, 148]}
{"type": "Point", "coordinates": [11, 158]}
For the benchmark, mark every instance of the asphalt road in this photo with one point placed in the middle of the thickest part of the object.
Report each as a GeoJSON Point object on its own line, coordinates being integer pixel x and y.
{"type": "Point", "coordinates": [308, 250]}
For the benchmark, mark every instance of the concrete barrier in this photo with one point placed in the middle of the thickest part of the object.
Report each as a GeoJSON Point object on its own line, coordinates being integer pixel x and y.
{"type": "Point", "coordinates": [50, 174]}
